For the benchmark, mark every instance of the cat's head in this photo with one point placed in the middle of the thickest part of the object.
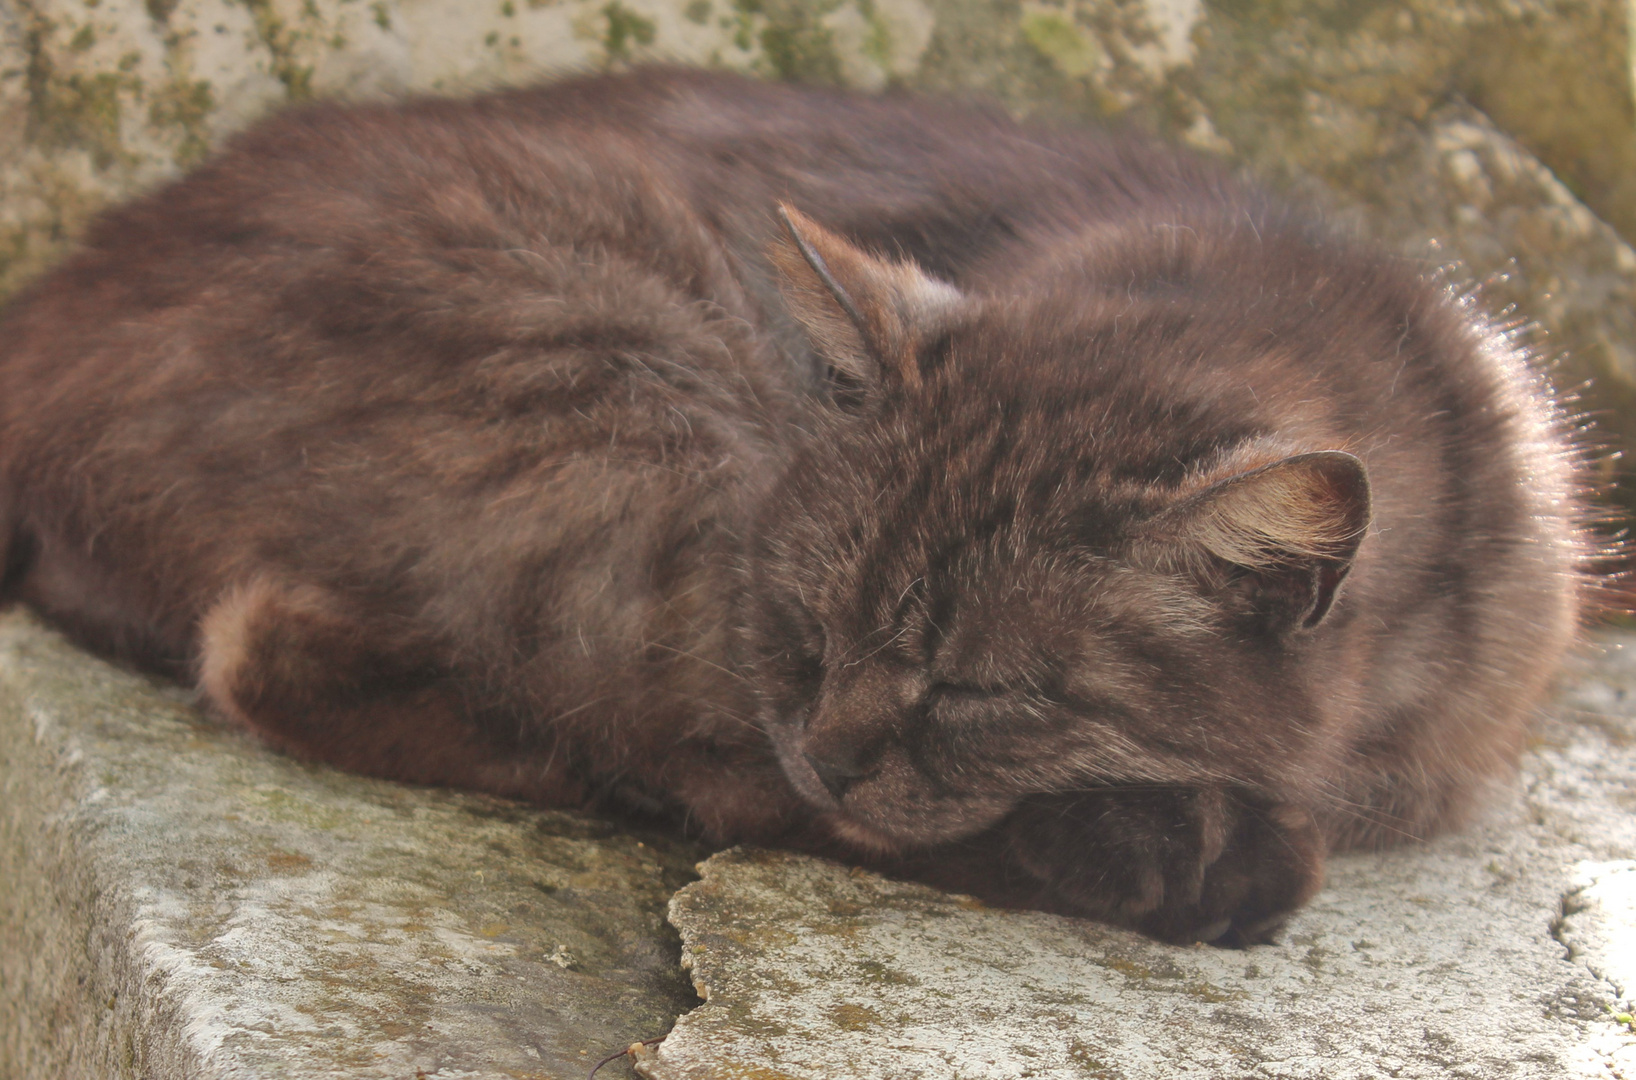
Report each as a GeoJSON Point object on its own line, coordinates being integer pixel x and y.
{"type": "Point", "coordinates": [971, 587]}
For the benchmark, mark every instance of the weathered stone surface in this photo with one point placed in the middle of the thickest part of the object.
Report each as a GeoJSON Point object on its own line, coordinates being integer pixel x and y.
{"type": "Point", "coordinates": [176, 901]}
{"type": "Point", "coordinates": [179, 902]}
{"type": "Point", "coordinates": [1507, 951]}
{"type": "Point", "coordinates": [1465, 186]}
{"type": "Point", "coordinates": [1502, 129]}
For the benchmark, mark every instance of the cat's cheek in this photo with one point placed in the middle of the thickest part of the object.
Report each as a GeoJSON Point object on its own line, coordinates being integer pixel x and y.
{"type": "Point", "coordinates": [894, 810]}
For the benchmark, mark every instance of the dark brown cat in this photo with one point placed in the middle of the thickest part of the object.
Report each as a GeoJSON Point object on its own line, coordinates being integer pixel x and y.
{"type": "Point", "coordinates": [1039, 511]}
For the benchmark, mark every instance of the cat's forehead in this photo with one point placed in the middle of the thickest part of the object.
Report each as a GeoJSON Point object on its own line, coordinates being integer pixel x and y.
{"type": "Point", "coordinates": [1003, 478]}
{"type": "Point", "coordinates": [1016, 573]}
{"type": "Point", "coordinates": [1001, 610]}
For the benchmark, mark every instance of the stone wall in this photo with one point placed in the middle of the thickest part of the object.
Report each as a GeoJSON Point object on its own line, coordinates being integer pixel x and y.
{"type": "Point", "coordinates": [1494, 137]}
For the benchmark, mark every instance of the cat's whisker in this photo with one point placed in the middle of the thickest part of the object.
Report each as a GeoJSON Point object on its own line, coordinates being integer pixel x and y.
{"type": "Point", "coordinates": [696, 658]}
{"type": "Point", "coordinates": [871, 654]}
{"type": "Point", "coordinates": [557, 718]}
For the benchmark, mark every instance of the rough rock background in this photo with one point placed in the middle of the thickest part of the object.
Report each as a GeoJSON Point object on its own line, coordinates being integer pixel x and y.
{"type": "Point", "coordinates": [1496, 137]}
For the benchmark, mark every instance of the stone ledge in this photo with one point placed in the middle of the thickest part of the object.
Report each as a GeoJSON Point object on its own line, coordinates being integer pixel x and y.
{"type": "Point", "coordinates": [1507, 951]}
{"type": "Point", "coordinates": [176, 901]}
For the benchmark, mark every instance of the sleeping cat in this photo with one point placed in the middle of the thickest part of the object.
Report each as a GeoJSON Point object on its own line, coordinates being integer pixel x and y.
{"type": "Point", "coordinates": [1038, 511]}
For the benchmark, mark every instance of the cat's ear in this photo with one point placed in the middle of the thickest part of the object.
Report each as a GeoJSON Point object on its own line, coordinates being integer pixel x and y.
{"type": "Point", "coordinates": [1273, 542]}
{"type": "Point", "coordinates": [866, 316]}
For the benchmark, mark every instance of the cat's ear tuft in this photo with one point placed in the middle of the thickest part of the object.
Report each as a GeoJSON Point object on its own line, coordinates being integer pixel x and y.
{"type": "Point", "coordinates": [866, 316]}
{"type": "Point", "coordinates": [1276, 541]}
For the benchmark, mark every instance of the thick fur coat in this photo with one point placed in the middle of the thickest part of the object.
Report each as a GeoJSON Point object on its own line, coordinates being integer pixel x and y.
{"type": "Point", "coordinates": [1039, 511]}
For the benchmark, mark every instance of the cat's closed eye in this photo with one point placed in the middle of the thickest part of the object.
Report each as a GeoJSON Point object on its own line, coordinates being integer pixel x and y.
{"type": "Point", "coordinates": [802, 642]}
{"type": "Point", "coordinates": [955, 706]}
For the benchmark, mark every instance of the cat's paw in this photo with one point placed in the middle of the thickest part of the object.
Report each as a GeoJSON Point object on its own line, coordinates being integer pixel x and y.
{"type": "Point", "coordinates": [1180, 864]}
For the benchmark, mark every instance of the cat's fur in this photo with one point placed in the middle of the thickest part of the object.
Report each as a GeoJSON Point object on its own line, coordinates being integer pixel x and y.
{"type": "Point", "coordinates": [1042, 510]}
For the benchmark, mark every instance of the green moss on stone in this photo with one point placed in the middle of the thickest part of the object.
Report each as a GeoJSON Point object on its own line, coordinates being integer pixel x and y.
{"type": "Point", "coordinates": [855, 1017]}
{"type": "Point", "coordinates": [625, 28]}
{"type": "Point", "coordinates": [76, 110]}
{"type": "Point", "coordinates": [794, 41]}
{"type": "Point", "coordinates": [1088, 1062]}
{"type": "Point", "coordinates": [185, 106]}
{"type": "Point", "coordinates": [282, 42]}
{"type": "Point", "coordinates": [1069, 49]}
{"type": "Point", "coordinates": [877, 43]}
{"type": "Point", "coordinates": [80, 111]}
{"type": "Point", "coordinates": [876, 972]}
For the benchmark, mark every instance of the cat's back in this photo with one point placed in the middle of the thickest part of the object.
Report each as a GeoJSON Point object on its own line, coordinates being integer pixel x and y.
{"type": "Point", "coordinates": [671, 170]}
{"type": "Point", "coordinates": [361, 336]}
{"type": "Point", "coordinates": [379, 190]}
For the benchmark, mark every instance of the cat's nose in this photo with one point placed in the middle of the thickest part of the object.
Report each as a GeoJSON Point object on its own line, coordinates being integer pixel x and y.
{"type": "Point", "coordinates": [837, 776]}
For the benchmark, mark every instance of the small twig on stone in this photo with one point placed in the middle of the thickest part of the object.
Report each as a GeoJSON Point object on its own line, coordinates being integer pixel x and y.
{"type": "Point", "coordinates": [645, 1042]}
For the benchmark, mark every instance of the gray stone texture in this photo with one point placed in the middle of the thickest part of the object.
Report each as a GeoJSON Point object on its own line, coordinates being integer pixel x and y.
{"type": "Point", "coordinates": [176, 901]}
{"type": "Point", "coordinates": [1507, 951]}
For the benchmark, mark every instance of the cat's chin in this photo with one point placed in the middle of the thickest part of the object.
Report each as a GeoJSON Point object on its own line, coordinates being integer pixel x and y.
{"type": "Point", "coordinates": [866, 840]}
{"type": "Point", "coordinates": [878, 823]}
{"type": "Point", "coordinates": [872, 837]}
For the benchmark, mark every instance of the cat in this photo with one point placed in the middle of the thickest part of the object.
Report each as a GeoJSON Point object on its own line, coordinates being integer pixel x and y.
{"type": "Point", "coordinates": [1039, 511]}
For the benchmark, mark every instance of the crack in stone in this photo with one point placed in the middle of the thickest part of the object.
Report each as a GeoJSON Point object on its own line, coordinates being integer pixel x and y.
{"type": "Point", "coordinates": [1568, 905]}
